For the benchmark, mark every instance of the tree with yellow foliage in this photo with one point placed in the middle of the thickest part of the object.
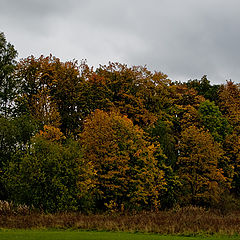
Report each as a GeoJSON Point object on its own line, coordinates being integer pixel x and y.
{"type": "Point", "coordinates": [198, 168]}
{"type": "Point", "coordinates": [230, 102]}
{"type": "Point", "coordinates": [128, 175]}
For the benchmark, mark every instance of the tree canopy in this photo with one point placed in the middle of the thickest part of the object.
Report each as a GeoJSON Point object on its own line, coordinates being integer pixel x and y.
{"type": "Point", "coordinates": [113, 138]}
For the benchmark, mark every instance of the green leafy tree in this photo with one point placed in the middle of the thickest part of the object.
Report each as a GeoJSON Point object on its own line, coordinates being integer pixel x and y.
{"type": "Point", "coordinates": [50, 175]}
{"type": "Point", "coordinates": [213, 120]}
{"type": "Point", "coordinates": [15, 135]}
{"type": "Point", "coordinates": [204, 88]}
{"type": "Point", "coordinates": [8, 83]}
{"type": "Point", "coordinates": [163, 133]}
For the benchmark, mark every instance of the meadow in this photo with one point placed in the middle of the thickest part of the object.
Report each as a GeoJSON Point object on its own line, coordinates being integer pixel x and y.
{"type": "Point", "coordinates": [92, 235]}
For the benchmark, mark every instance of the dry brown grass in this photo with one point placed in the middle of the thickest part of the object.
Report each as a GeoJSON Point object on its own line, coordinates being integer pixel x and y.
{"type": "Point", "coordinates": [190, 220]}
{"type": "Point", "coordinates": [9, 208]}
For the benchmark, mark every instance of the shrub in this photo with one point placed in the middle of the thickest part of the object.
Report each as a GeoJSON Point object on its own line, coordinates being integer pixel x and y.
{"type": "Point", "coordinates": [51, 175]}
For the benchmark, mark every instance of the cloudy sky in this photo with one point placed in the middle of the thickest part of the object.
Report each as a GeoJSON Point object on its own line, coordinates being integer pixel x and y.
{"type": "Point", "coordinates": [185, 39]}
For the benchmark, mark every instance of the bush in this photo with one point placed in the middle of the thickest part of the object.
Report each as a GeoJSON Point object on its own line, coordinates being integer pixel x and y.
{"type": "Point", "coordinates": [51, 175]}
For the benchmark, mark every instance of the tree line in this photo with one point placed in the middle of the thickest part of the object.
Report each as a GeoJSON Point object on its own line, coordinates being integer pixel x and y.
{"type": "Point", "coordinates": [114, 138]}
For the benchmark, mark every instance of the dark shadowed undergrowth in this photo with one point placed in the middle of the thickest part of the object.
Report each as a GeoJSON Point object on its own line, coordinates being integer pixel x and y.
{"type": "Point", "coordinates": [183, 221]}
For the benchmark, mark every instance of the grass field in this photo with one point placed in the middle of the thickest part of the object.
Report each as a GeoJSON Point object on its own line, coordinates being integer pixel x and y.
{"type": "Point", "coordinates": [91, 235]}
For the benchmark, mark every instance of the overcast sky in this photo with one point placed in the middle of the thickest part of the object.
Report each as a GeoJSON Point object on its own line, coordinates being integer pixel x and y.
{"type": "Point", "coordinates": [185, 39]}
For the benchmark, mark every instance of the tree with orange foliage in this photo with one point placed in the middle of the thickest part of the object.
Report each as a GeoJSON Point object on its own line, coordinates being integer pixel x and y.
{"type": "Point", "coordinates": [51, 133]}
{"type": "Point", "coordinates": [198, 167]}
{"type": "Point", "coordinates": [135, 91]}
{"type": "Point", "coordinates": [51, 91]}
{"type": "Point", "coordinates": [230, 106]}
{"type": "Point", "coordinates": [128, 175]}
{"type": "Point", "coordinates": [230, 102]}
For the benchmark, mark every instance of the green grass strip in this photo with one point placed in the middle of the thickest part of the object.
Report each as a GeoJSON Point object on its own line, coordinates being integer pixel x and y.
{"type": "Point", "coordinates": [92, 235]}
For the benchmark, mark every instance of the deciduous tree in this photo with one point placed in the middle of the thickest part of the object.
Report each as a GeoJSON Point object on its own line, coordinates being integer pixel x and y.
{"type": "Point", "coordinates": [8, 84]}
{"type": "Point", "coordinates": [128, 174]}
{"type": "Point", "coordinates": [51, 175]}
{"type": "Point", "coordinates": [198, 167]}
{"type": "Point", "coordinates": [213, 120]}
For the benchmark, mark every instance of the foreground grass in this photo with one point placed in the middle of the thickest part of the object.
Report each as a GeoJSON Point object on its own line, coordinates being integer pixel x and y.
{"type": "Point", "coordinates": [90, 235]}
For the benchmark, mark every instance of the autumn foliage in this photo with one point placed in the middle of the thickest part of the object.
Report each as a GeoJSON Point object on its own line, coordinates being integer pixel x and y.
{"type": "Point", "coordinates": [127, 172]}
{"type": "Point", "coordinates": [114, 138]}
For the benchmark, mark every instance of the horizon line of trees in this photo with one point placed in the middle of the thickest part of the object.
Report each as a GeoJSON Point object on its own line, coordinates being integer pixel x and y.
{"type": "Point", "coordinates": [115, 138]}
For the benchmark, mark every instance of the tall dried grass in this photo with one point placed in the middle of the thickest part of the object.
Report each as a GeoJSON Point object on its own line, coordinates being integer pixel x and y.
{"type": "Point", "coordinates": [189, 220]}
{"type": "Point", "coordinates": [9, 208]}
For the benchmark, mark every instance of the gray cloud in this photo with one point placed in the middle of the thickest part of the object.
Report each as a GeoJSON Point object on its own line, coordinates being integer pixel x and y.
{"type": "Point", "coordinates": [184, 39]}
